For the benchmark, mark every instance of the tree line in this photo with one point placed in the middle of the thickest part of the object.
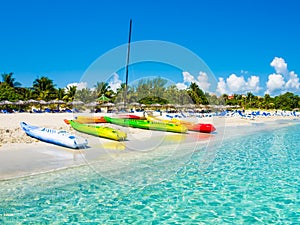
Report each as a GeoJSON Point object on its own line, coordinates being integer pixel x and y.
{"type": "Point", "coordinates": [146, 91]}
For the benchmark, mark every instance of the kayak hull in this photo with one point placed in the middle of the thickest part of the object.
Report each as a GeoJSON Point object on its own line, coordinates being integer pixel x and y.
{"type": "Point", "coordinates": [199, 127]}
{"type": "Point", "coordinates": [58, 137]}
{"type": "Point", "coordinates": [99, 131]}
{"type": "Point", "coordinates": [90, 119]}
{"type": "Point", "coordinates": [145, 124]}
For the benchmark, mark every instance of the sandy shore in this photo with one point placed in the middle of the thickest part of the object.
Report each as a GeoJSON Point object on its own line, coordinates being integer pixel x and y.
{"type": "Point", "coordinates": [21, 155]}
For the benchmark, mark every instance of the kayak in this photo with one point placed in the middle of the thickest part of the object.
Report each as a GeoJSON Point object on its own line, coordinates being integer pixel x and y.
{"type": "Point", "coordinates": [100, 119]}
{"type": "Point", "coordinates": [199, 127]}
{"type": "Point", "coordinates": [58, 137]}
{"type": "Point", "coordinates": [128, 116]}
{"type": "Point", "coordinates": [145, 124]}
{"type": "Point", "coordinates": [90, 119]}
{"type": "Point", "coordinates": [99, 131]}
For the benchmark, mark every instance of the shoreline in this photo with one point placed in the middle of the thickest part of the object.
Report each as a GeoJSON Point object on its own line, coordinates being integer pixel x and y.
{"type": "Point", "coordinates": [27, 156]}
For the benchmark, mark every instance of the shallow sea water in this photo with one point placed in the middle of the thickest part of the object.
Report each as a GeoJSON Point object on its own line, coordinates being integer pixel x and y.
{"type": "Point", "coordinates": [252, 179]}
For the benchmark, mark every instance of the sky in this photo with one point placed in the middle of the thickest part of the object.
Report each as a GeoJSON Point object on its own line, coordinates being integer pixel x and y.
{"type": "Point", "coordinates": [247, 45]}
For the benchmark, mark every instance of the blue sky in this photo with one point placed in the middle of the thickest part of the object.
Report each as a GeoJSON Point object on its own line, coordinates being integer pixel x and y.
{"type": "Point", "coordinates": [61, 39]}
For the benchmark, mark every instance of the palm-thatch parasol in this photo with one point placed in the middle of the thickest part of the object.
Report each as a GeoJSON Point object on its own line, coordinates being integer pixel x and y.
{"type": "Point", "coordinates": [32, 101]}
{"type": "Point", "coordinates": [103, 99]}
{"type": "Point", "coordinates": [58, 102]}
{"type": "Point", "coordinates": [20, 103]}
{"type": "Point", "coordinates": [91, 104]}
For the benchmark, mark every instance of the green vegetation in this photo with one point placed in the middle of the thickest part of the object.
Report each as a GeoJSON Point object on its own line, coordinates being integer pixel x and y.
{"type": "Point", "coordinates": [145, 92]}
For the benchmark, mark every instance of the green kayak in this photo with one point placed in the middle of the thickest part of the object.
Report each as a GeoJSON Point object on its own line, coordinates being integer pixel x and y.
{"type": "Point", "coordinates": [145, 124]}
{"type": "Point", "coordinates": [105, 132]}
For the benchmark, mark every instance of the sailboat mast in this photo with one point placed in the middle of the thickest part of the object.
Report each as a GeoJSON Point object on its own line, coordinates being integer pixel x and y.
{"type": "Point", "coordinates": [127, 63]}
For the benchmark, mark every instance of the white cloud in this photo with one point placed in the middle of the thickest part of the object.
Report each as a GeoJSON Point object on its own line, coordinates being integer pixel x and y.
{"type": "Point", "coordinates": [115, 82]}
{"type": "Point", "coordinates": [201, 81]}
{"type": "Point", "coordinates": [293, 83]}
{"type": "Point", "coordinates": [79, 86]}
{"type": "Point", "coordinates": [283, 80]}
{"type": "Point", "coordinates": [221, 87]}
{"type": "Point", "coordinates": [253, 84]}
{"type": "Point", "coordinates": [181, 86]}
{"type": "Point", "coordinates": [188, 78]}
{"type": "Point", "coordinates": [237, 84]}
{"type": "Point", "coordinates": [279, 65]}
{"type": "Point", "coordinates": [275, 83]}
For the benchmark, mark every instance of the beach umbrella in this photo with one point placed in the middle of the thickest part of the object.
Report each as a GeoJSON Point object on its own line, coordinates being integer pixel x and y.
{"type": "Point", "coordinates": [91, 104]}
{"type": "Point", "coordinates": [134, 104]}
{"type": "Point", "coordinates": [43, 102]}
{"type": "Point", "coordinates": [155, 105]}
{"type": "Point", "coordinates": [103, 98]}
{"type": "Point", "coordinates": [19, 103]}
{"type": "Point", "coordinates": [178, 106]}
{"type": "Point", "coordinates": [6, 102]}
{"type": "Point", "coordinates": [58, 102]}
{"type": "Point", "coordinates": [32, 101]}
{"type": "Point", "coordinates": [120, 105]}
{"type": "Point", "coordinates": [189, 106]}
{"type": "Point", "coordinates": [109, 104]}
{"type": "Point", "coordinates": [75, 103]}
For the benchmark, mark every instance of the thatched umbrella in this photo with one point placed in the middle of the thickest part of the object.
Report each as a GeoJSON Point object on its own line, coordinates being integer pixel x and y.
{"type": "Point", "coordinates": [169, 105]}
{"type": "Point", "coordinates": [42, 102]}
{"type": "Point", "coordinates": [6, 103]}
{"type": "Point", "coordinates": [58, 102]}
{"type": "Point", "coordinates": [32, 101]}
{"type": "Point", "coordinates": [108, 105]}
{"type": "Point", "coordinates": [103, 99]}
{"type": "Point", "coordinates": [91, 104]}
{"type": "Point", "coordinates": [134, 104]}
{"type": "Point", "coordinates": [75, 103]}
{"type": "Point", "coordinates": [20, 103]}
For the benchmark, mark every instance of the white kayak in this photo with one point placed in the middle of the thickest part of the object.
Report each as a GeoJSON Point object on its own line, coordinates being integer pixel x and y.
{"type": "Point", "coordinates": [58, 137]}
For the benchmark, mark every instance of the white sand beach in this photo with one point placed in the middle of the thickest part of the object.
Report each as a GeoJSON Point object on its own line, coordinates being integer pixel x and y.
{"type": "Point", "coordinates": [21, 155]}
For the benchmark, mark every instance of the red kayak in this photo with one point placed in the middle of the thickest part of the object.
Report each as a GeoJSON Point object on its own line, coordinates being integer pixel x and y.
{"type": "Point", "coordinates": [201, 127]}
{"type": "Point", "coordinates": [128, 116]}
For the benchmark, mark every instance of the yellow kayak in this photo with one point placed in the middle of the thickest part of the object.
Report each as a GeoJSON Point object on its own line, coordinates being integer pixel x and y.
{"type": "Point", "coordinates": [105, 132]}
{"type": "Point", "coordinates": [199, 127]}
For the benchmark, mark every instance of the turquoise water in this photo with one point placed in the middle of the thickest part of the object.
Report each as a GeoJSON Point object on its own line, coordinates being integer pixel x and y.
{"type": "Point", "coordinates": [253, 179]}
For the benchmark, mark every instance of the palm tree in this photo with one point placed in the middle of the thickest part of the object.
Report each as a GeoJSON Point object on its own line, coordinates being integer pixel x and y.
{"type": "Point", "coordinates": [103, 88]}
{"type": "Point", "coordinates": [43, 88]}
{"type": "Point", "coordinates": [60, 93]}
{"type": "Point", "coordinates": [8, 79]}
{"type": "Point", "coordinates": [85, 95]}
{"type": "Point", "coordinates": [196, 94]}
{"type": "Point", "coordinates": [70, 95]}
